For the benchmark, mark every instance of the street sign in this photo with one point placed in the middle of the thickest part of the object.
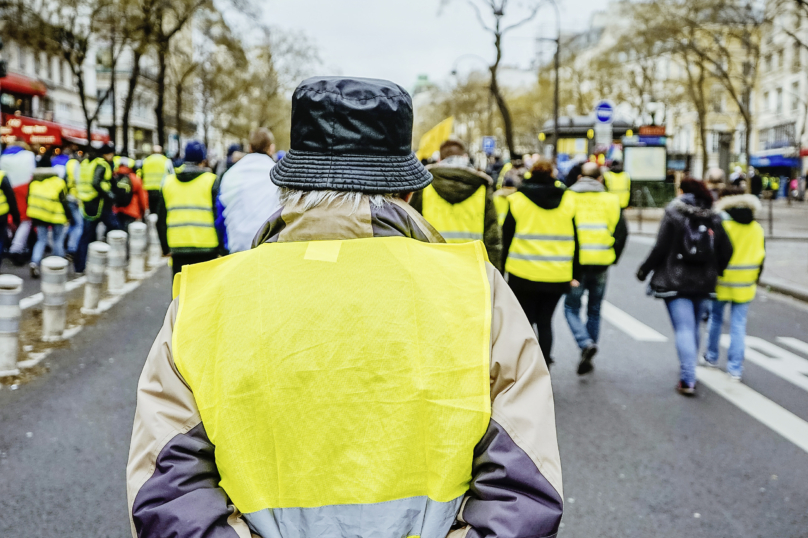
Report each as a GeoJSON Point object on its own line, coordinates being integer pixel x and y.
{"type": "Point", "coordinates": [604, 112]}
{"type": "Point", "coordinates": [489, 145]}
{"type": "Point", "coordinates": [604, 134]}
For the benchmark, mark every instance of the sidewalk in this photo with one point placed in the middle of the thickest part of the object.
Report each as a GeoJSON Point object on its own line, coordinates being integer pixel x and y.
{"type": "Point", "coordinates": [786, 267]}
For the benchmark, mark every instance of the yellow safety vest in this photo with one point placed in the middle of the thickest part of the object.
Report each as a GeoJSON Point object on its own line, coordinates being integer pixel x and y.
{"type": "Point", "coordinates": [739, 281]}
{"type": "Point", "coordinates": [544, 244]}
{"type": "Point", "coordinates": [596, 218]}
{"type": "Point", "coordinates": [86, 191]}
{"type": "Point", "coordinates": [4, 208]}
{"type": "Point", "coordinates": [154, 171]}
{"type": "Point", "coordinates": [328, 393]}
{"type": "Point", "coordinates": [457, 223]}
{"type": "Point", "coordinates": [72, 166]}
{"type": "Point", "coordinates": [619, 184]}
{"type": "Point", "coordinates": [43, 200]}
{"type": "Point", "coordinates": [126, 161]}
{"type": "Point", "coordinates": [189, 206]}
{"type": "Point", "coordinates": [501, 205]}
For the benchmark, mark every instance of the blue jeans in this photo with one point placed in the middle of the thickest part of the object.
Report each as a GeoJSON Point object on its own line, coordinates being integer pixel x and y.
{"type": "Point", "coordinates": [74, 232]}
{"type": "Point", "coordinates": [594, 283]}
{"type": "Point", "coordinates": [89, 234]}
{"type": "Point", "coordinates": [42, 241]}
{"type": "Point", "coordinates": [686, 314]}
{"type": "Point", "coordinates": [737, 335]}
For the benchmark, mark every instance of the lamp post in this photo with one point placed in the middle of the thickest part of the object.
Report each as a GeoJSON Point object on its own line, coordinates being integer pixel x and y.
{"type": "Point", "coordinates": [556, 62]}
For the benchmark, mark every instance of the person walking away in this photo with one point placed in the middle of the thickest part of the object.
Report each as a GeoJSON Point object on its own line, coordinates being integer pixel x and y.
{"type": "Point", "coordinates": [186, 212]}
{"type": "Point", "coordinates": [312, 364]}
{"type": "Point", "coordinates": [19, 162]}
{"type": "Point", "coordinates": [691, 251]}
{"type": "Point", "coordinates": [96, 197]}
{"type": "Point", "coordinates": [131, 200]}
{"type": "Point", "coordinates": [618, 182]}
{"type": "Point", "coordinates": [247, 198]}
{"type": "Point", "coordinates": [460, 202]}
{"type": "Point", "coordinates": [72, 173]}
{"type": "Point", "coordinates": [48, 209]}
{"type": "Point", "coordinates": [600, 234]}
{"type": "Point", "coordinates": [755, 182]}
{"type": "Point", "coordinates": [8, 208]}
{"type": "Point", "coordinates": [738, 285]}
{"type": "Point", "coordinates": [538, 238]}
{"type": "Point", "coordinates": [154, 169]}
{"type": "Point", "coordinates": [716, 182]}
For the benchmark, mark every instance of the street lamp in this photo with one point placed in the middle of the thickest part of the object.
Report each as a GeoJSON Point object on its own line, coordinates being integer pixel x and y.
{"type": "Point", "coordinates": [557, 42]}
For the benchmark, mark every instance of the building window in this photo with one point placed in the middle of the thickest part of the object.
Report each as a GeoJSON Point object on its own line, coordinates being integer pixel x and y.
{"type": "Point", "coordinates": [778, 104]}
{"type": "Point", "coordinates": [20, 58]}
{"type": "Point", "coordinates": [795, 96]}
{"type": "Point", "coordinates": [57, 71]}
{"type": "Point", "coordinates": [767, 62]}
{"type": "Point", "coordinates": [766, 102]}
{"type": "Point", "coordinates": [795, 60]}
{"type": "Point", "coordinates": [717, 99]}
{"type": "Point", "coordinates": [36, 63]}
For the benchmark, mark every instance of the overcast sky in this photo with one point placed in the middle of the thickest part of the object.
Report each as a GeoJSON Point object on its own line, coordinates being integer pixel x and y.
{"type": "Point", "coordinates": [400, 39]}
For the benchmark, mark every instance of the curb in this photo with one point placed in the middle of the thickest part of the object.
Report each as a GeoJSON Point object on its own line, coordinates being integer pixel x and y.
{"type": "Point", "coordinates": [786, 288]}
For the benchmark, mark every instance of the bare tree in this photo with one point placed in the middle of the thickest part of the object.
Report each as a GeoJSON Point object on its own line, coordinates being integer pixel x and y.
{"type": "Point", "coordinates": [498, 30]}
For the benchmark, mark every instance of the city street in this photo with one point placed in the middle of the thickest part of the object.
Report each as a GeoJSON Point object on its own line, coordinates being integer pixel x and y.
{"type": "Point", "coordinates": [639, 460]}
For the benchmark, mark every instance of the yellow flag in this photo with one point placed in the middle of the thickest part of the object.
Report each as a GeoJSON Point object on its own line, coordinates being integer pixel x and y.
{"type": "Point", "coordinates": [432, 139]}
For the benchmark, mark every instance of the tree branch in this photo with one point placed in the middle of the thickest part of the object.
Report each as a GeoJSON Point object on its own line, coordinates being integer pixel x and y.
{"type": "Point", "coordinates": [526, 20]}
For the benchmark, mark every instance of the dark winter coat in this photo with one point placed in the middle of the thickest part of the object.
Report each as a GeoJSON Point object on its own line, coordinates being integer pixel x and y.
{"type": "Point", "coordinates": [456, 184]}
{"type": "Point", "coordinates": [673, 277]}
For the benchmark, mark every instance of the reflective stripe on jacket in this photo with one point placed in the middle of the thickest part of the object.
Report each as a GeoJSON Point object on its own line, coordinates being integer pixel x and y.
{"type": "Point", "coordinates": [739, 281]}
{"type": "Point", "coordinates": [346, 423]}
{"type": "Point", "coordinates": [596, 217]}
{"type": "Point", "coordinates": [619, 184]}
{"type": "Point", "coordinates": [44, 201]}
{"type": "Point", "coordinates": [154, 171]}
{"type": "Point", "coordinates": [4, 208]}
{"type": "Point", "coordinates": [190, 212]}
{"type": "Point", "coordinates": [457, 223]}
{"type": "Point", "coordinates": [543, 246]}
{"type": "Point", "coordinates": [72, 168]}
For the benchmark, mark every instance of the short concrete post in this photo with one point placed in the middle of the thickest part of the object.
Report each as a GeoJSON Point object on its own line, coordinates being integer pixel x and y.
{"type": "Point", "coordinates": [10, 291]}
{"type": "Point", "coordinates": [96, 266]}
{"type": "Point", "coordinates": [116, 274]}
{"type": "Point", "coordinates": [155, 250]}
{"type": "Point", "coordinates": [138, 241]}
{"type": "Point", "coordinates": [54, 302]}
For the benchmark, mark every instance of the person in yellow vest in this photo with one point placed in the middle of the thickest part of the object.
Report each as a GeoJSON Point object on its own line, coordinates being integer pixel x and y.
{"type": "Point", "coordinates": [48, 210]}
{"type": "Point", "coordinates": [94, 188]}
{"type": "Point", "coordinates": [738, 285]}
{"type": "Point", "coordinates": [120, 160]}
{"type": "Point", "coordinates": [154, 170]}
{"type": "Point", "coordinates": [186, 211]}
{"type": "Point", "coordinates": [600, 235]}
{"type": "Point", "coordinates": [351, 374]}
{"type": "Point", "coordinates": [460, 202]}
{"type": "Point", "coordinates": [8, 208]}
{"type": "Point", "coordinates": [538, 240]}
{"type": "Point", "coordinates": [618, 182]}
{"type": "Point", "coordinates": [72, 173]}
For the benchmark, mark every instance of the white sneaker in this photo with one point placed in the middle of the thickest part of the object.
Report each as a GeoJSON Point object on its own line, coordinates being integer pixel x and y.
{"type": "Point", "coordinates": [734, 377]}
{"type": "Point", "coordinates": [704, 362]}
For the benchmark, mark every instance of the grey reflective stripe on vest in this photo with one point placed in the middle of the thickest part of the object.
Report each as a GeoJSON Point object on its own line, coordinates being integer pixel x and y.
{"type": "Point", "coordinates": [592, 227]}
{"type": "Point", "coordinates": [595, 247]}
{"type": "Point", "coordinates": [190, 208]}
{"type": "Point", "coordinates": [415, 516]}
{"type": "Point", "coordinates": [542, 237]}
{"type": "Point", "coordinates": [461, 235]}
{"type": "Point", "coordinates": [742, 267]}
{"type": "Point", "coordinates": [735, 284]}
{"type": "Point", "coordinates": [194, 224]}
{"type": "Point", "coordinates": [537, 258]}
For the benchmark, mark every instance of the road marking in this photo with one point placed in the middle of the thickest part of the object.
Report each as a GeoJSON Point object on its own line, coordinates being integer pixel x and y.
{"type": "Point", "coordinates": [756, 405]}
{"type": "Point", "coordinates": [794, 343]}
{"type": "Point", "coordinates": [630, 325]}
{"type": "Point", "coordinates": [775, 359]}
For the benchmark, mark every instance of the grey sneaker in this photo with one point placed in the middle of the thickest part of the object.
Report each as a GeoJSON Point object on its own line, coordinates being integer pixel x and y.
{"type": "Point", "coordinates": [704, 362]}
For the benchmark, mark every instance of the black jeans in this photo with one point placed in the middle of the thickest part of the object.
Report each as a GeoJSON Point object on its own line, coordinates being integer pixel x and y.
{"type": "Point", "coordinates": [178, 260]}
{"type": "Point", "coordinates": [539, 308]}
{"type": "Point", "coordinates": [89, 234]}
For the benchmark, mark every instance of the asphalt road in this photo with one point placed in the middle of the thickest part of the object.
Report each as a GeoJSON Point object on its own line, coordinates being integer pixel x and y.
{"type": "Point", "coordinates": [639, 460]}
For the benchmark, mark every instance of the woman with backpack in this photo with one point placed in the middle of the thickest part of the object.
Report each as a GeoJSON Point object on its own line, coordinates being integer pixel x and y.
{"type": "Point", "coordinates": [691, 252]}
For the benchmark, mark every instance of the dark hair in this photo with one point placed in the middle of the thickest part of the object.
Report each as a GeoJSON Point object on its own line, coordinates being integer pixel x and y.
{"type": "Point", "coordinates": [732, 191]}
{"type": "Point", "coordinates": [542, 171]}
{"type": "Point", "coordinates": [698, 189]}
{"type": "Point", "coordinates": [452, 148]}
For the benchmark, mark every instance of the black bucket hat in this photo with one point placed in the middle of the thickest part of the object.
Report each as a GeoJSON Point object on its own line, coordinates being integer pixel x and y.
{"type": "Point", "coordinates": [351, 134]}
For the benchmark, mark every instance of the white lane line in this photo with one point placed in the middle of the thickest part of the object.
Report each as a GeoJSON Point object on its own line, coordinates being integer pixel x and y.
{"type": "Point", "coordinates": [630, 325]}
{"type": "Point", "coordinates": [756, 405]}
{"type": "Point", "coordinates": [794, 343]}
{"type": "Point", "coordinates": [35, 299]}
{"type": "Point", "coordinates": [775, 359]}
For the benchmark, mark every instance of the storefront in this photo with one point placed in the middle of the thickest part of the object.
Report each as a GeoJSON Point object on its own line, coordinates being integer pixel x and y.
{"type": "Point", "coordinates": [46, 133]}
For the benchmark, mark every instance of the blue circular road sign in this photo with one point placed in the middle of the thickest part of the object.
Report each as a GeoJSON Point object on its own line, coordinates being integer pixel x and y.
{"type": "Point", "coordinates": [604, 112]}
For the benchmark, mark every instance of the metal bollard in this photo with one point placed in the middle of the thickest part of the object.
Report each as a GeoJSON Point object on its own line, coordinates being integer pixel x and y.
{"type": "Point", "coordinates": [54, 302]}
{"type": "Point", "coordinates": [116, 273]}
{"type": "Point", "coordinates": [96, 265]}
{"type": "Point", "coordinates": [10, 290]}
{"type": "Point", "coordinates": [155, 250]}
{"type": "Point", "coordinates": [137, 250]}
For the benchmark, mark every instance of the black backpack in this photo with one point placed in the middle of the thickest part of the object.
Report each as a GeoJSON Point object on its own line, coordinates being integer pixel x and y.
{"type": "Point", "coordinates": [123, 191]}
{"type": "Point", "coordinates": [698, 241]}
